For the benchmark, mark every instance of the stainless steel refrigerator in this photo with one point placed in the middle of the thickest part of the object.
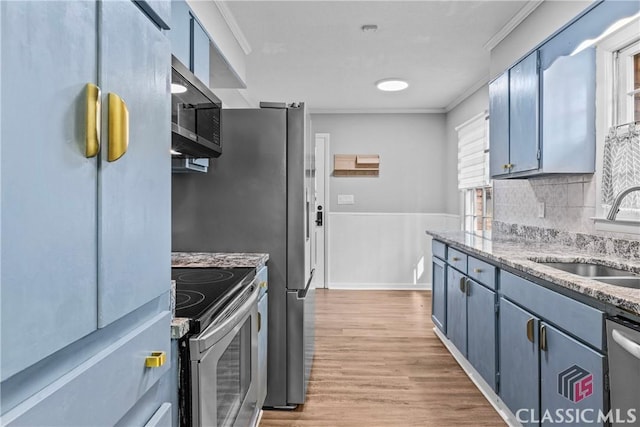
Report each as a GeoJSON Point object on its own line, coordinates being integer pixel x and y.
{"type": "Point", "coordinates": [258, 197]}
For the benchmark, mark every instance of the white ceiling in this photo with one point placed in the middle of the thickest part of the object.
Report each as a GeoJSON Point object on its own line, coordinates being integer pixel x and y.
{"type": "Point", "coordinates": [316, 52]}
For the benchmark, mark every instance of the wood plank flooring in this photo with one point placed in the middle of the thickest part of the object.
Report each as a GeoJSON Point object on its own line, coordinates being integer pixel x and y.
{"type": "Point", "coordinates": [378, 363]}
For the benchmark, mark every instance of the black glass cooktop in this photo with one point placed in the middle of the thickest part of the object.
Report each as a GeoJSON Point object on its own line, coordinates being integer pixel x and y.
{"type": "Point", "coordinates": [203, 292]}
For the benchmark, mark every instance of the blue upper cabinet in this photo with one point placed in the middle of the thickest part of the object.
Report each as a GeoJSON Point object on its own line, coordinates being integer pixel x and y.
{"type": "Point", "coordinates": [200, 52]}
{"type": "Point", "coordinates": [551, 101]}
{"type": "Point", "coordinates": [135, 189]}
{"type": "Point", "coordinates": [49, 204]}
{"type": "Point", "coordinates": [499, 129]}
{"type": "Point", "coordinates": [189, 41]}
{"type": "Point", "coordinates": [523, 115]}
{"type": "Point", "coordinates": [180, 34]}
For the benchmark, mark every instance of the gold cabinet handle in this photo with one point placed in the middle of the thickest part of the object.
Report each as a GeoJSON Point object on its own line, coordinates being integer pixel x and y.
{"type": "Point", "coordinates": [543, 338]}
{"type": "Point", "coordinates": [477, 270]}
{"type": "Point", "coordinates": [462, 285]}
{"type": "Point", "coordinates": [259, 321]}
{"type": "Point", "coordinates": [92, 139]}
{"type": "Point", "coordinates": [530, 329]}
{"type": "Point", "coordinates": [157, 359]}
{"type": "Point", "coordinates": [263, 284]}
{"type": "Point", "coordinates": [118, 127]}
{"type": "Point", "coordinates": [455, 258]}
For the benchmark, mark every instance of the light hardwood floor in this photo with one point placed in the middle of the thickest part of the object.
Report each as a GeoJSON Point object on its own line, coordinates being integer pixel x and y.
{"type": "Point", "coordinates": [378, 363]}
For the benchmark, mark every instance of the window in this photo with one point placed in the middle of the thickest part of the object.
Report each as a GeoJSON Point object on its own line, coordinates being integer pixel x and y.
{"type": "Point", "coordinates": [621, 151]}
{"type": "Point", "coordinates": [478, 211]}
{"type": "Point", "coordinates": [473, 175]}
{"type": "Point", "coordinates": [627, 84]}
{"type": "Point", "coordinates": [617, 80]}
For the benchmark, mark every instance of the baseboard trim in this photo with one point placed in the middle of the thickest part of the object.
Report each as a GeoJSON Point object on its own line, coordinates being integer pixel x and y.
{"type": "Point", "coordinates": [477, 379]}
{"type": "Point", "coordinates": [381, 286]}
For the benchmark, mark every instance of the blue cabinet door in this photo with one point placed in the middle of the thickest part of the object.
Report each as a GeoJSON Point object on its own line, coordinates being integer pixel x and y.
{"type": "Point", "coordinates": [519, 359]}
{"type": "Point", "coordinates": [523, 114]}
{"type": "Point", "coordinates": [499, 125]}
{"type": "Point", "coordinates": [481, 331]}
{"type": "Point", "coordinates": [200, 52]}
{"type": "Point", "coordinates": [49, 199]}
{"type": "Point", "coordinates": [439, 294]}
{"type": "Point", "coordinates": [180, 33]}
{"type": "Point", "coordinates": [571, 377]}
{"type": "Point", "coordinates": [135, 190]}
{"type": "Point", "coordinates": [456, 310]}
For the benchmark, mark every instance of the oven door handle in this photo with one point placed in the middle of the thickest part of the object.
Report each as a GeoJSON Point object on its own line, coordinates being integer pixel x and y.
{"type": "Point", "coordinates": [233, 315]}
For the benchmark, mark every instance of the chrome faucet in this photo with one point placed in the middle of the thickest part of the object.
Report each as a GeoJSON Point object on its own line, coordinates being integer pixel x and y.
{"type": "Point", "coordinates": [615, 207]}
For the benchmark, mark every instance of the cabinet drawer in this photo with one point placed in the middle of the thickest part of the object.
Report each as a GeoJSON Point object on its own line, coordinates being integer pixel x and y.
{"type": "Point", "coordinates": [581, 320]}
{"type": "Point", "coordinates": [457, 259]}
{"type": "Point", "coordinates": [482, 272]}
{"type": "Point", "coordinates": [102, 389]}
{"type": "Point", "coordinates": [262, 277]}
{"type": "Point", "coordinates": [439, 249]}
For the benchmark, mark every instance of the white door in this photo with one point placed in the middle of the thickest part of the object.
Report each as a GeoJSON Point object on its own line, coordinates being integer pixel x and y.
{"type": "Point", "coordinates": [320, 217]}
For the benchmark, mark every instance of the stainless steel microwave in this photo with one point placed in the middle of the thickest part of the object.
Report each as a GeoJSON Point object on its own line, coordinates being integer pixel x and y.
{"type": "Point", "coordinates": [195, 115]}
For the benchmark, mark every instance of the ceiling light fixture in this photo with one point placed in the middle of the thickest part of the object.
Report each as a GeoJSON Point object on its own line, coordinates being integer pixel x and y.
{"type": "Point", "coordinates": [178, 88]}
{"type": "Point", "coordinates": [392, 85]}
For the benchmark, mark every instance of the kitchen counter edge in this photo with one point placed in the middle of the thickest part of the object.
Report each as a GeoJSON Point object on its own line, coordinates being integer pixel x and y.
{"type": "Point", "coordinates": [522, 257]}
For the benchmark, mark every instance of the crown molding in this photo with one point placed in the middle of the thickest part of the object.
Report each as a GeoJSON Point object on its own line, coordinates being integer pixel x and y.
{"type": "Point", "coordinates": [377, 111]}
{"type": "Point", "coordinates": [228, 17]}
{"type": "Point", "coordinates": [467, 93]}
{"type": "Point", "coordinates": [515, 20]}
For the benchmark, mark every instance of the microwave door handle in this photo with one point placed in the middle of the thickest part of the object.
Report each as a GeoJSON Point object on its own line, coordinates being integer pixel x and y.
{"type": "Point", "coordinates": [210, 336]}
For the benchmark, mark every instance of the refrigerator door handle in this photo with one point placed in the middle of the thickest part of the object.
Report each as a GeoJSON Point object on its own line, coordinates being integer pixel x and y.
{"type": "Point", "coordinates": [303, 293]}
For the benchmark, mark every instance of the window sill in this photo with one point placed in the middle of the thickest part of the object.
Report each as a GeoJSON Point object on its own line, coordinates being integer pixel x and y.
{"type": "Point", "coordinates": [627, 226]}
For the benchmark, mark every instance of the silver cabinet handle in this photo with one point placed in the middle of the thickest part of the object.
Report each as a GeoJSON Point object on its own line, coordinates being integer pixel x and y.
{"type": "Point", "coordinates": [626, 343]}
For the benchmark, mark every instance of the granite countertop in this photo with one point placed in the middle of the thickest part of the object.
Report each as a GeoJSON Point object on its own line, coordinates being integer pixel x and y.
{"type": "Point", "coordinates": [522, 255]}
{"type": "Point", "coordinates": [218, 259]}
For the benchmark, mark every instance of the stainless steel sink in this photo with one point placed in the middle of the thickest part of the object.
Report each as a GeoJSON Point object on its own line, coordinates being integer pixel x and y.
{"type": "Point", "coordinates": [601, 273]}
{"type": "Point", "coordinates": [588, 270]}
{"type": "Point", "coordinates": [627, 282]}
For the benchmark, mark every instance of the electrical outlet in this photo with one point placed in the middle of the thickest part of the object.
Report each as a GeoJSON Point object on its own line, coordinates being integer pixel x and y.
{"type": "Point", "coordinates": [540, 209]}
{"type": "Point", "coordinates": [346, 199]}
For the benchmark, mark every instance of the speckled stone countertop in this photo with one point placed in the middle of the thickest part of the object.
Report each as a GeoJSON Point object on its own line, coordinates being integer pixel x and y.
{"type": "Point", "coordinates": [218, 259]}
{"type": "Point", "coordinates": [522, 255]}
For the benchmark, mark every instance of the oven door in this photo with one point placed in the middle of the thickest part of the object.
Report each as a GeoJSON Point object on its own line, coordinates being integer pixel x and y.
{"type": "Point", "coordinates": [224, 366]}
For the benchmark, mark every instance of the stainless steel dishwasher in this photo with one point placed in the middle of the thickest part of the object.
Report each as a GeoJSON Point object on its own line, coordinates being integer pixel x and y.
{"type": "Point", "coordinates": [623, 339]}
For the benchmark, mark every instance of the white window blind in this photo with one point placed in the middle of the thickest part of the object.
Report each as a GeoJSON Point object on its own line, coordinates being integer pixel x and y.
{"type": "Point", "coordinates": [473, 152]}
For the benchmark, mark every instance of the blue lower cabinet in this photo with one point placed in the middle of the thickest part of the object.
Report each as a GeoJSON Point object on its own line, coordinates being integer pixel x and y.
{"type": "Point", "coordinates": [481, 331]}
{"type": "Point", "coordinates": [519, 359]}
{"type": "Point", "coordinates": [439, 294]}
{"type": "Point", "coordinates": [106, 387]}
{"type": "Point", "coordinates": [571, 379]}
{"type": "Point", "coordinates": [457, 310]}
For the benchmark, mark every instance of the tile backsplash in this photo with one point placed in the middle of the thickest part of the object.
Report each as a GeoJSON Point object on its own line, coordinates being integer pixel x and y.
{"type": "Point", "coordinates": [569, 202]}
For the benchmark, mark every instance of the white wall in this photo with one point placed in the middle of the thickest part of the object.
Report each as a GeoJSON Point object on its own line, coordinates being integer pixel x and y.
{"type": "Point", "coordinates": [382, 250]}
{"type": "Point", "coordinates": [380, 241]}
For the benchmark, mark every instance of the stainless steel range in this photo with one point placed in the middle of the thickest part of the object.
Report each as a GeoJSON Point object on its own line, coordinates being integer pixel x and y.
{"type": "Point", "coordinates": [218, 360]}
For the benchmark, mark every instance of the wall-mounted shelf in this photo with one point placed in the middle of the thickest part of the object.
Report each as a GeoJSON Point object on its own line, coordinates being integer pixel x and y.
{"type": "Point", "coordinates": [356, 165]}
